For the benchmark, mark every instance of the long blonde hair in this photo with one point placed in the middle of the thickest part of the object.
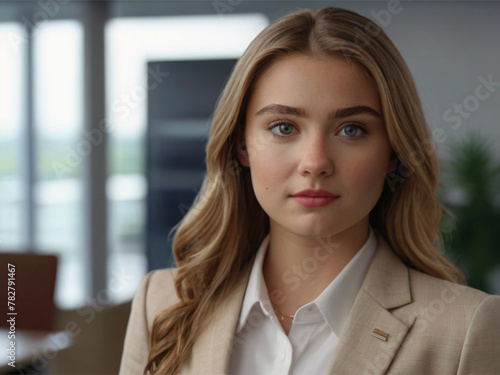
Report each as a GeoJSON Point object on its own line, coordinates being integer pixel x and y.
{"type": "Point", "coordinates": [216, 241]}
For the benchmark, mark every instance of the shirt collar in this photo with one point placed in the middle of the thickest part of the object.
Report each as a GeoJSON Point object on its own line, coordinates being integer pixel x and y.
{"type": "Point", "coordinates": [333, 304]}
{"type": "Point", "coordinates": [256, 292]}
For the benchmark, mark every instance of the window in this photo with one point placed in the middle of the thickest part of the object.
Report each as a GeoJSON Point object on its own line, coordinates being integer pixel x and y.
{"type": "Point", "coordinates": [58, 109]}
{"type": "Point", "coordinates": [131, 43]}
{"type": "Point", "coordinates": [11, 138]}
{"type": "Point", "coordinates": [49, 102]}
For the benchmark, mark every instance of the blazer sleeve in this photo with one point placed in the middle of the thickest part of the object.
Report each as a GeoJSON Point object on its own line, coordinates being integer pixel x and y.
{"type": "Point", "coordinates": [136, 346]}
{"type": "Point", "coordinates": [481, 350]}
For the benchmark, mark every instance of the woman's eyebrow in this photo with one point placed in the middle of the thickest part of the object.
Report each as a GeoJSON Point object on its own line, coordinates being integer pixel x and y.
{"type": "Point", "coordinates": [356, 110]}
{"type": "Point", "coordinates": [281, 109]}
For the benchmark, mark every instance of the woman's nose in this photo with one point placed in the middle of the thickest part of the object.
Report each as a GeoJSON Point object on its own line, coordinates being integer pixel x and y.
{"type": "Point", "coordinates": [315, 159]}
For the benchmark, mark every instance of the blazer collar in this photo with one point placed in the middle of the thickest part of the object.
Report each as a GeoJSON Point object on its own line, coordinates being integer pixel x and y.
{"type": "Point", "coordinates": [387, 280]}
{"type": "Point", "coordinates": [386, 286]}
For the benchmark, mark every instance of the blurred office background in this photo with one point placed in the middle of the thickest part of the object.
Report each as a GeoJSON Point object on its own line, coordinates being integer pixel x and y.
{"type": "Point", "coordinates": [105, 108]}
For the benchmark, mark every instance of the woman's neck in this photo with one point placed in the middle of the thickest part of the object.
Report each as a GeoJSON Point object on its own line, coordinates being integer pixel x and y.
{"type": "Point", "coordinates": [297, 269]}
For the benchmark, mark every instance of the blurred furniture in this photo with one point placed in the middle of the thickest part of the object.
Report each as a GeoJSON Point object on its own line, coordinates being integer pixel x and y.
{"type": "Point", "coordinates": [98, 335]}
{"type": "Point", "coordinates": [27, 281]}
{"type": "Point", "coordinates": [32, 350]}
{"type": "Point", "coordinates": [33, 288]}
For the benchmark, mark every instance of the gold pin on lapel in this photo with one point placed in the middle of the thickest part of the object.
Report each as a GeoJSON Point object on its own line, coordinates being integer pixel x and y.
{"type": "Point", "coordinates": [381, 335]}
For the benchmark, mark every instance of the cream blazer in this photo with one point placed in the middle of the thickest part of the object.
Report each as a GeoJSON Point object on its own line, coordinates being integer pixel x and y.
{"type": "Point", "coordinates": [433, 326]}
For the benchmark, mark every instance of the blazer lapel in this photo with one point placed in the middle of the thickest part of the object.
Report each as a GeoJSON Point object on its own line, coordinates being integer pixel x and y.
{"type": "Point", "coordinates": [211, 353]}
{"type": "Point", "coordinates": [386, 286]}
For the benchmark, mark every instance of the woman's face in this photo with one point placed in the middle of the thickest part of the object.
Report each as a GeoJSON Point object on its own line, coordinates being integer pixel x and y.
{"type": "Point", "coordinates": [316, 145]}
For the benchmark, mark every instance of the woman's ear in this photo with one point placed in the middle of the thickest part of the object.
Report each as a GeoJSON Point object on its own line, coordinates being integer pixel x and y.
{"type": "Point", "coordinates": [243, 154]}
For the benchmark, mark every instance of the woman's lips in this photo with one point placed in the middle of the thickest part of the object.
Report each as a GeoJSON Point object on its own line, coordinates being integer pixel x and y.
{"type": "Point", "coordinates": [314, 198]}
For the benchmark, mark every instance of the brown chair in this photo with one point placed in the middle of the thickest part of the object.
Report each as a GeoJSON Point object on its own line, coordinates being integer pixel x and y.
{"type": "Point", "coordinates": [34, 284]}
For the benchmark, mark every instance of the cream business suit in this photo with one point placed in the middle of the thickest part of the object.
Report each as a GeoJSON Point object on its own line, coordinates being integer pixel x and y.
{"type": "Point", "coordinates": [434, 326]}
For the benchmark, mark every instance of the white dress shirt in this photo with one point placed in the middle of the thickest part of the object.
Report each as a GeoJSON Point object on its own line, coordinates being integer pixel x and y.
{"type": "Point", "coordinates": [261, 346]}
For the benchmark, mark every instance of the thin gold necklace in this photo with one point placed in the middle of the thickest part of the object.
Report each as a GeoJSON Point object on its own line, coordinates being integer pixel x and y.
{"type": "Point", "coordinates": [282, 316]}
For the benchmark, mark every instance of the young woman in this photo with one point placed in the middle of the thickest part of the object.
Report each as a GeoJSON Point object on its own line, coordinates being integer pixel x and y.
{"type": "Point", "coordinates": [311, 246]}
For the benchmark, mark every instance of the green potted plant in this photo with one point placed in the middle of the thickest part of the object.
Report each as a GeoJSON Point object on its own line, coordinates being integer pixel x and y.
{"type": "Point", "coordinates": [470, 190]}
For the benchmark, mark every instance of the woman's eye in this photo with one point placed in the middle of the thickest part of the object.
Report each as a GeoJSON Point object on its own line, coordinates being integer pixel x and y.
{"type": "Point", "coordinates": [283, 129]}
{"type": "Point", "coordinates": [351, 131]}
